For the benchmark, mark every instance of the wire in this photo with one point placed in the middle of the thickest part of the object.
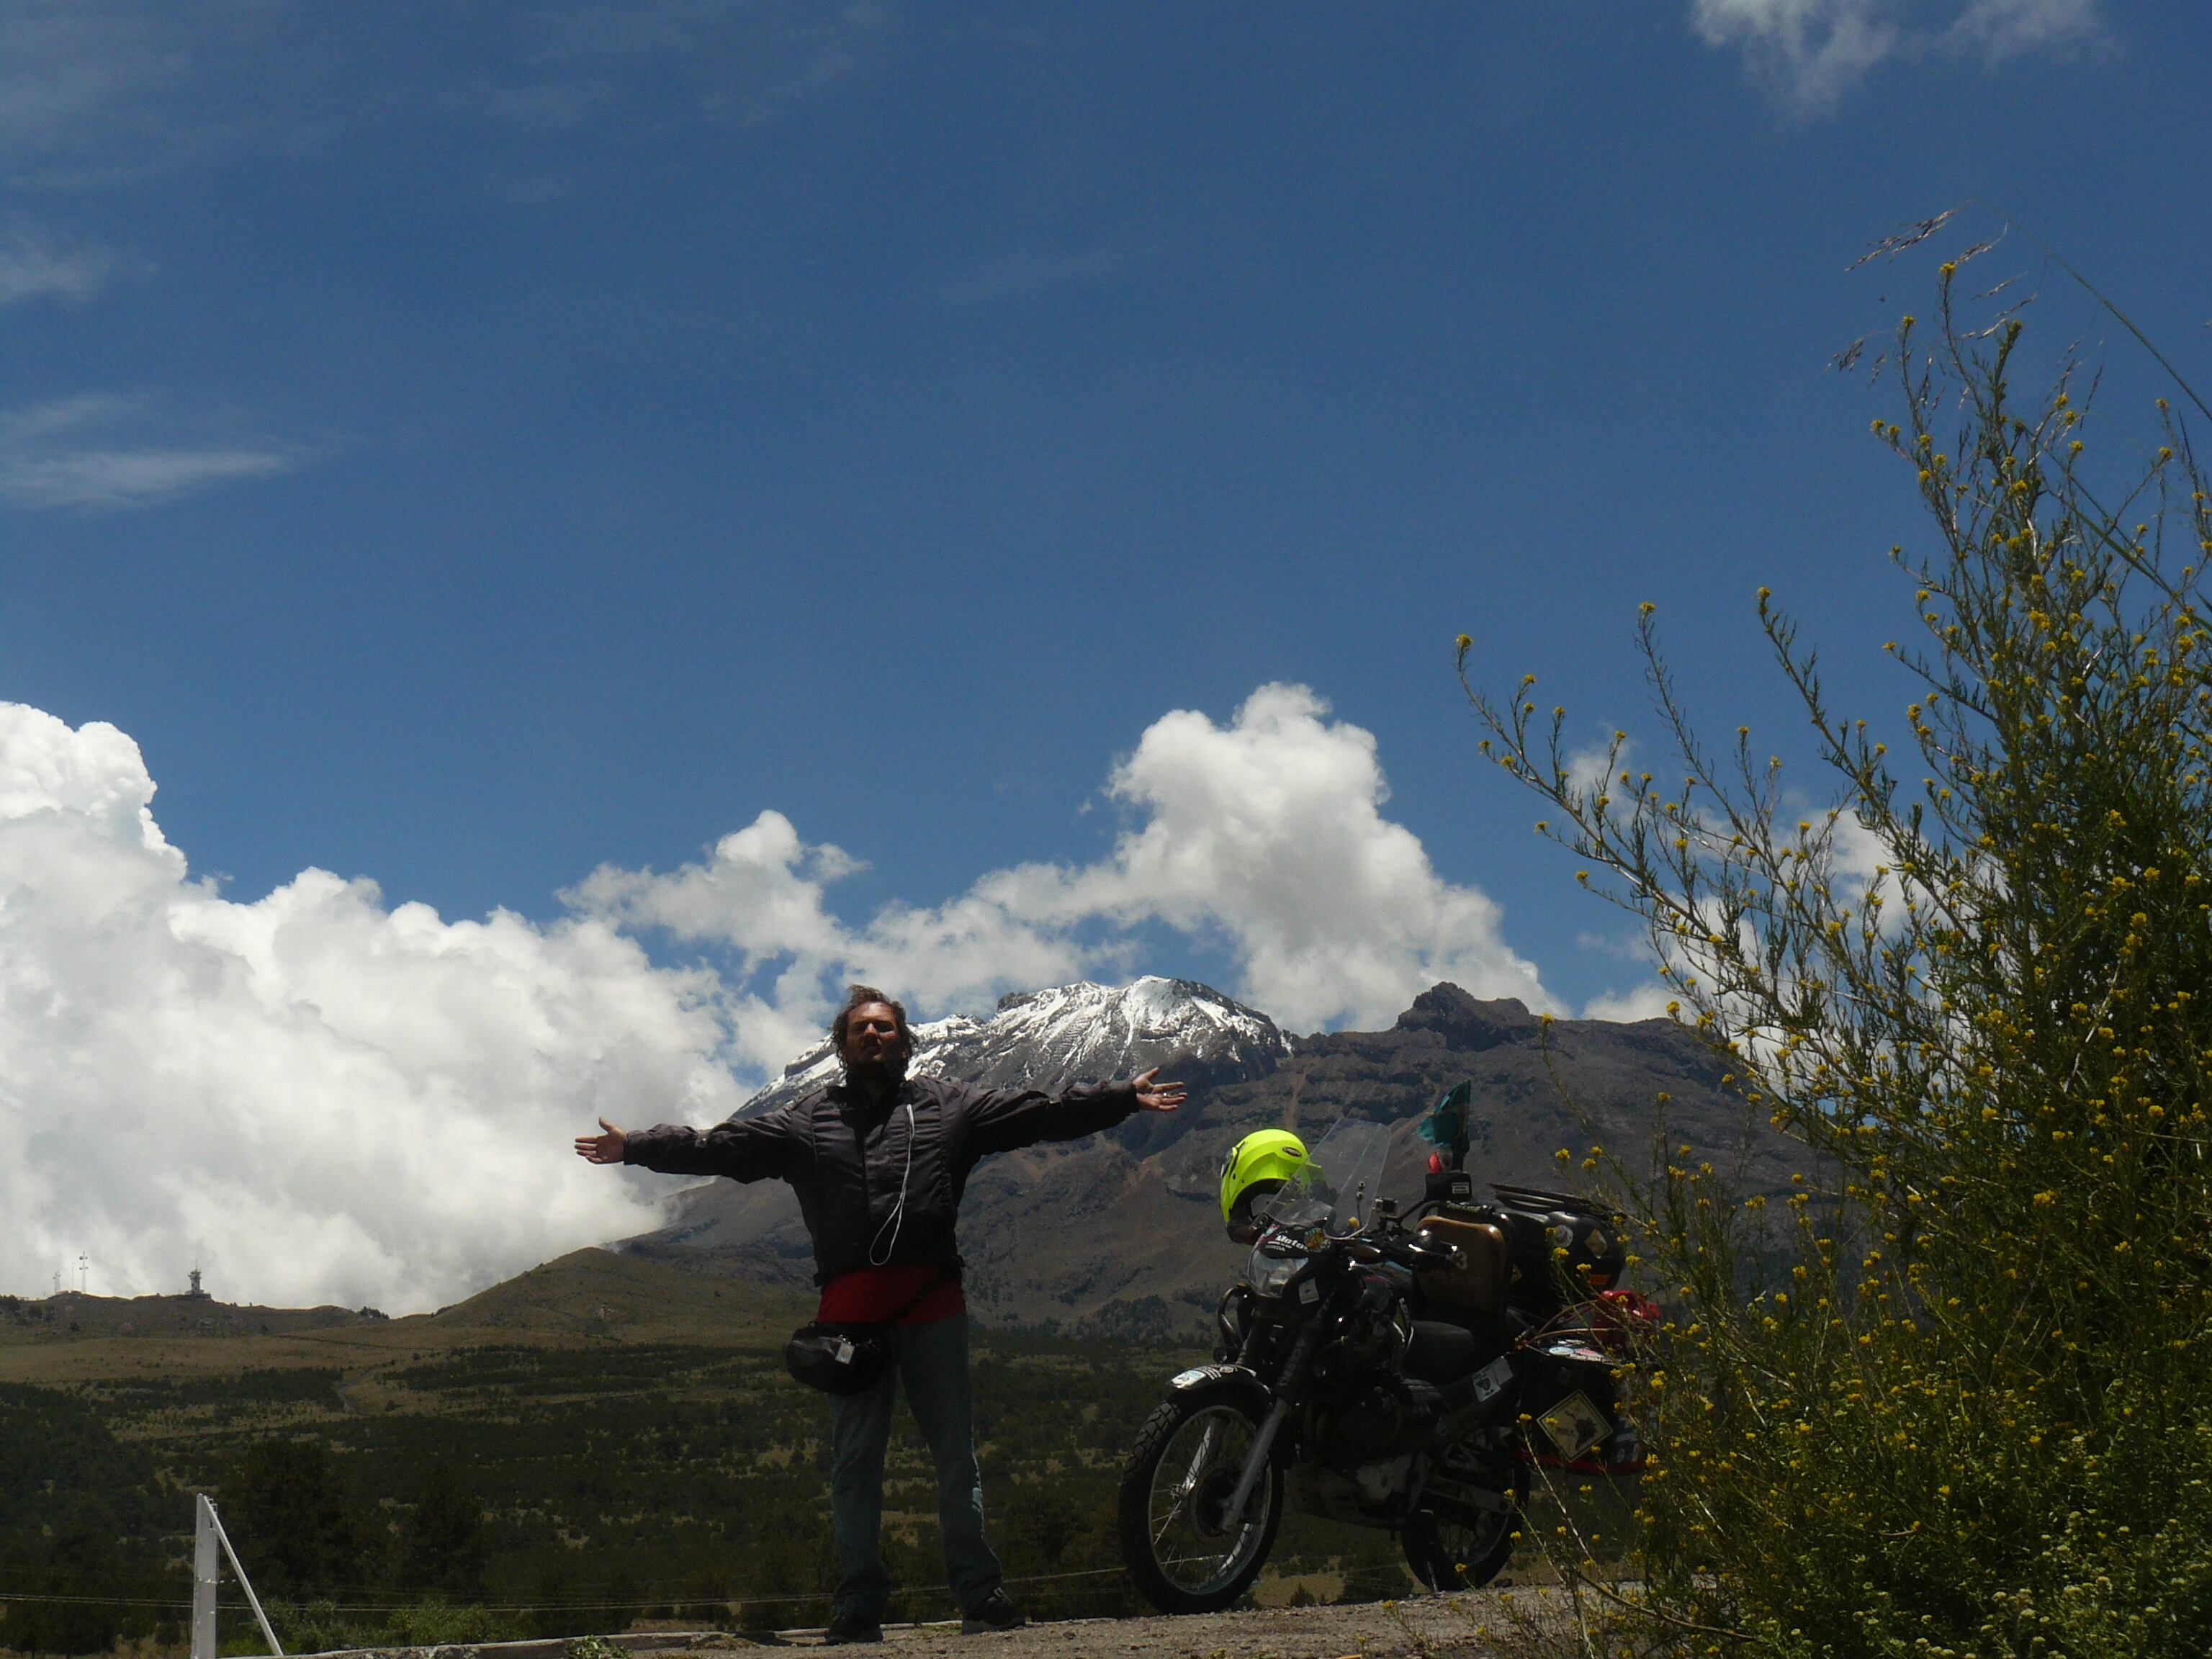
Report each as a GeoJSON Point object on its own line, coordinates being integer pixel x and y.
{"type": "Point", "coordinates": [584, 1604]}
{"type": "Point", "coordinates": [897, 1220]}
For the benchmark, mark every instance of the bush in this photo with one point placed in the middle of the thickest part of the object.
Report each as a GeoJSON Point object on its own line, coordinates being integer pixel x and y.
{"type": "Point", "coordinates": [296, 1525]}
{"type": "Point", "coordinates": [1950, 1400]}
{"type": "Point", "coordinates": [435, 1624]}
{"type": "Point", "coordinates": [70, 1610]}
{"type": "Point", "coordinates": [317, 1627]}
{"type": "Point", "coordinates": [441, 1539]}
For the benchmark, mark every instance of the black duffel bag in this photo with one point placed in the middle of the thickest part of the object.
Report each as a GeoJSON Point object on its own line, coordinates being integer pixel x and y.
{"type": "Point", "coordinates": [843, 1358]}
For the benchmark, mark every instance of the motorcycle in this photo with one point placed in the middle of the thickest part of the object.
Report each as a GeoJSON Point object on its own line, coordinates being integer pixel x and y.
{"type": "Point", "coordinates": [1402, 1372]}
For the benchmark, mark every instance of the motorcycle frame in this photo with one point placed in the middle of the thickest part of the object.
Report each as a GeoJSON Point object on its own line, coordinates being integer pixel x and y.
{"type": "Point", "coordinates": [1275, 1402]}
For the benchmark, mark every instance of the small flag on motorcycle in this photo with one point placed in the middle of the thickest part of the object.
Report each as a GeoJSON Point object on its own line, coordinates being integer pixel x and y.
{"type": "Point", "coordinates": [1445, 1126]}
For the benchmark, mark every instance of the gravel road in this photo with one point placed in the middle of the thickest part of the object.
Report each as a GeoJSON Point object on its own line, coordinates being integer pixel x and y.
{"type": "Point", "coordinates": [1428, 1627]}
{"type": "Point", "coordinates": [1434, 1626]}
{"type": "Point", "coordinates": [1424, 1627]}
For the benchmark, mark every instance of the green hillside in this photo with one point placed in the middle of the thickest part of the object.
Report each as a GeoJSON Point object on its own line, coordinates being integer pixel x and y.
{"type": "Point", "coordinates": [599, 1440]}
{"type": "Point", "coordinates": [585, 1299]}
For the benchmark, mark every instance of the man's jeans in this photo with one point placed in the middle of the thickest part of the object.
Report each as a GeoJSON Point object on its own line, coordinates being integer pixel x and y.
{"type": "Point", "coordinates": [933, 1359]}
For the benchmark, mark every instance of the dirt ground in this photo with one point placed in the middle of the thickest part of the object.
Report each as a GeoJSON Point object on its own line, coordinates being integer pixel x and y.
{"type": "Point", "coordinates": [1430, 1627]}
{"type": "Point", "coordinates": [1424, 1627]}
{"type": "Point", "coordinates": [1440, 1627]}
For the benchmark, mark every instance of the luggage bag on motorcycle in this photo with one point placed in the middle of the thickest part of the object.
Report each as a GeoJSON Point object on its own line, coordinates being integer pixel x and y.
{"type": "Point", "coordinates": [1474, 1283]}
{"type": "Point", "coordinates": [1547, 1231]}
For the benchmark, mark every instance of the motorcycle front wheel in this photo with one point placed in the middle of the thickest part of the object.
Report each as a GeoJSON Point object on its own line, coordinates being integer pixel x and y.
{"type": "Point", "coordinates": [1186, 1552]}
{"type": "Point", "coordinates": [1460, 1546]}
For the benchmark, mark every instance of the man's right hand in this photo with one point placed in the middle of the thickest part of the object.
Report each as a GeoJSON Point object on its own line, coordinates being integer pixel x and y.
{"type": "Point", "coordinates": [605, 1148]}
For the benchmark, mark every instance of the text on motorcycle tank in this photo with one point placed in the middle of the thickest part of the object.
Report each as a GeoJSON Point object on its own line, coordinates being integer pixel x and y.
{"type": "Point", "coordinates": [1492, 1377]}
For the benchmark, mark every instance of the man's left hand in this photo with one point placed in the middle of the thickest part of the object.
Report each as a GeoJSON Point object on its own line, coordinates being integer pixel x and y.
{"type": "Point", "coordinates": [1153, 1095]}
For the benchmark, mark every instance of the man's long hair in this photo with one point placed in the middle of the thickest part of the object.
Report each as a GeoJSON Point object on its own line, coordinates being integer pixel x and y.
{"type": "Point", "coordinates": [858, 996]}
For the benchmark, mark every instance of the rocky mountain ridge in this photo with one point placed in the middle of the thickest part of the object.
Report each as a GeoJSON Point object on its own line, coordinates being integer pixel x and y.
{"type": "Point", "coordinates": [1120, 1233]}
{"type": "Point", "coordinates": [1067, 1034]}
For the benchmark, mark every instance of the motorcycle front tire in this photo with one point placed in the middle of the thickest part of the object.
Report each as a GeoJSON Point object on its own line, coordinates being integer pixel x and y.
{"type": "Point", "coordinates": [1171, 1448]}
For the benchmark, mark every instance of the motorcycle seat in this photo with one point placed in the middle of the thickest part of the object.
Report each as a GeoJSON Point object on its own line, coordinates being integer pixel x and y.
{"type": "Point", "coordinates": [1441, 1353]}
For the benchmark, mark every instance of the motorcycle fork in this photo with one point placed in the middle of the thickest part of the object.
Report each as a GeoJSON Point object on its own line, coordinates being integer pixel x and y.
{"type": "Point", "coordinates": [1287, 1389]}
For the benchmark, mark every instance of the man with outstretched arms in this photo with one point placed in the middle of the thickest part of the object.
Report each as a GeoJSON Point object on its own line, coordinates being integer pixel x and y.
{"type": "Point", "coordinates": [879, 1160]}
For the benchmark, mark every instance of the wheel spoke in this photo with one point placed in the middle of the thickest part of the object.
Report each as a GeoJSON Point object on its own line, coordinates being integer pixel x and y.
{"type": "Point", "coordinates": [1190, 1479]}
{"type": "Point", "coordinates": [1463, 1532]}
{"type": "Point", "coordinates": [1180, 1514]}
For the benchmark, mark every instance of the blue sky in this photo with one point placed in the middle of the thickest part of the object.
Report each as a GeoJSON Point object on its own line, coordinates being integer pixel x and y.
{"type": "Point", "coordinates": [468, 447]}
{"type": "Point", "coordinates": [587, 426]}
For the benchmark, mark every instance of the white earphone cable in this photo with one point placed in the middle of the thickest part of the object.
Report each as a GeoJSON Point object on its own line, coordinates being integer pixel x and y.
{"type": "Point", "coordinates": [897, 1217]}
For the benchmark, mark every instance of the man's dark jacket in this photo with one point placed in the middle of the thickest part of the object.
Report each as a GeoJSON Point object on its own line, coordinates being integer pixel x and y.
{"type": "Point", "coordinates": [846, 1160]}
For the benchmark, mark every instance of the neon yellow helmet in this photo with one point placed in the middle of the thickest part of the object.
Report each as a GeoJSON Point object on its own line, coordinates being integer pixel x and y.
{"type": "Point", "coordinates": [1257, 1165]}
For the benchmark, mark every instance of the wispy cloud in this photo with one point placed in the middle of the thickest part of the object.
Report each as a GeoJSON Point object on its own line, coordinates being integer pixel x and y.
{"type": "Point", "coordinates": [1812, 52]}
{"type": "Point", "coordinates": [1029, 273]}
{"type": "Point", "coordinates": [83, 86]}
{"type": "Point", "coordinates": [739, 62]}
{"type": "Point", "coordinates": [94, 92]}
{"type": "Point", "coordinates": [104, 450]}
{"type": "Point", "coordinates": [38, 265]}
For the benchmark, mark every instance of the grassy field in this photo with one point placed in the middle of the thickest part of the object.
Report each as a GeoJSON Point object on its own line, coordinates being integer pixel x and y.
{"type": "Point", "coordinates": [597, 1442]}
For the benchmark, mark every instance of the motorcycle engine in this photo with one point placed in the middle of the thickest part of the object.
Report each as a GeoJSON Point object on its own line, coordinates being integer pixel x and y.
{"type": "Point", "coordinates": [1387, 1418]}
{"type": "Point", "coordinates": [1372, 1331]}
{"type": "Point", "coordinates": [1375, 1415]}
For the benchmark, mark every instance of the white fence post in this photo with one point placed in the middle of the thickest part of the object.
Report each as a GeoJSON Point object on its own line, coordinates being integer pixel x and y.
{"type": "Point", "coordinates": [207, 1533]}
{"type": "Point", "coordinates": [204, 1571]}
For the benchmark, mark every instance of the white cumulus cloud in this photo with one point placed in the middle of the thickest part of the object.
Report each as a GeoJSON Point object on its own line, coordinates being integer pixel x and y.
{"type": "Point", "coordinates": [1814, 52]}
{"type": "Point", "coordinates": [316, 1096]}
{"type": "Point", "coordinates": [1266, 835]}
{"type": "Point", "coordinates": [321, 1096]}
{"type": "Point", "coordinates": [1270, 832]}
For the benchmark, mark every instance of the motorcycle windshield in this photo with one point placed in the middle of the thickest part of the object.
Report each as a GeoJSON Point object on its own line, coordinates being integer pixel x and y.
{"type": "Point", "coordinates": [1339, 1187]}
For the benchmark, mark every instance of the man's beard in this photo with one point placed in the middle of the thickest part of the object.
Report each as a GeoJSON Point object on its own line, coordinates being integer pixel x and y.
{"type": "Point", "coordinates": [877, 1075]}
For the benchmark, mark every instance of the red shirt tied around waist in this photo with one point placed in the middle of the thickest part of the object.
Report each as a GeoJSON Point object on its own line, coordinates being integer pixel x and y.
{"type": "Point", "coordinates": [873, 1296]}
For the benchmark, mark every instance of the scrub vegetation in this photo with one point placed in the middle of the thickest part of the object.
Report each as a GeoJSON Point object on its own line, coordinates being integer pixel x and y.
{"type": "Point", "coordinates": [1949, 1397]}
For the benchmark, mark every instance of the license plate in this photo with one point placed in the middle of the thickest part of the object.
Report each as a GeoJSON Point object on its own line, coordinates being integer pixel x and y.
{"type": "Point", "coordinates": [1310, 1292]}
{"type": "Point", "coordinates": [1491, 1379]}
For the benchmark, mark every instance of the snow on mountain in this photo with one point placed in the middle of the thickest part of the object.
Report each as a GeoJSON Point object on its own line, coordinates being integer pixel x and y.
{"type": "Point", "coordinates": [1073, 1034]}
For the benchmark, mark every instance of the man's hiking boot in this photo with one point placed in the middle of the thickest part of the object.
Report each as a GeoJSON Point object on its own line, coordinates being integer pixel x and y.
{"type": "Point", "coordinates": [851, 1628]}
{"type": "Point", "coordinates": [993, 1611]}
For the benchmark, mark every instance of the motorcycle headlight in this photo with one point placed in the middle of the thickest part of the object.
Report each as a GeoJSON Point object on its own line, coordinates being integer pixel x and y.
{"type": "Point", "coordinates": [1270, 1274]}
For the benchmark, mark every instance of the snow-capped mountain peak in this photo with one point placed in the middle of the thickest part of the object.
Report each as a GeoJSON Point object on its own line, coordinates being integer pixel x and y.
{"type": "Point", "coordinates": [1071, 1033]}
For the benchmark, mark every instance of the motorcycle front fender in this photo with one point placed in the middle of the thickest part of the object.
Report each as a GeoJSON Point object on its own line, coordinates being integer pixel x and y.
{"type": "Point", "coordinates": [1240, 1381]}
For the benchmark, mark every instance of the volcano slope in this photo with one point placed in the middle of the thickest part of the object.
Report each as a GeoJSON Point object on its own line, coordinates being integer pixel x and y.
{"type": "Point", "coordinates": [1120, 1234]}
